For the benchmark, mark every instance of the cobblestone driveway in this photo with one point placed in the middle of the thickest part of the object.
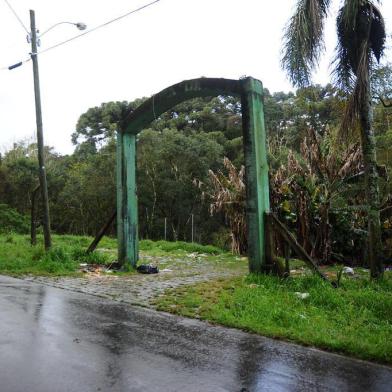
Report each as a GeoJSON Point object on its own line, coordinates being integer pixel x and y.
{"type": "Point", "coordinates": [138, 289]}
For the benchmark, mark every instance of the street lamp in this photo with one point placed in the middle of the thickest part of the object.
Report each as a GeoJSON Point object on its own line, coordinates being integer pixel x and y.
{"type": "Point", "coordinates": [38, 115]}
{"type": "Point", "coordinates": [79, 25]}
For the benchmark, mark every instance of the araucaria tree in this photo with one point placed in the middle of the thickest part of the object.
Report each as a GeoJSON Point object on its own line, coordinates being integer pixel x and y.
{"type": "Point", "coordinates": [361, 39]}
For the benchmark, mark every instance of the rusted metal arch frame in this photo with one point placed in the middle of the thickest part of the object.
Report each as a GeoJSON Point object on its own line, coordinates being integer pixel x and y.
{"type": "Point", "coordinates": [255, 150]}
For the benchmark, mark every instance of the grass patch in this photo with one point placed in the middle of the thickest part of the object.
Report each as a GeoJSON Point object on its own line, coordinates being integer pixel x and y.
{"type": "Point", "coordinates": [190, 247]}
{"type": "Point", "coordinates": [18, 257]}
{"type": "Point", "coordinates": [79, 254]}
{"type": "Point", "coordinates": [355, 319]}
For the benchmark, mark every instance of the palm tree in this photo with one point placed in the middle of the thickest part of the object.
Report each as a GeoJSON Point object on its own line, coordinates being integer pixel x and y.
{"type": "Point", "coordinates": [361, 39]}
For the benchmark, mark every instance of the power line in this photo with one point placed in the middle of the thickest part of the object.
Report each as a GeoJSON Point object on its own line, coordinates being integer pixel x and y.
{"type": "Point", "coordinates": [99, 26]}
{"type": "Point", "coordinates": [17, 17]}
{"type": "Point", "coordinates": [79, 35]}
{"type": "Point", "coordinates": [10, 67]}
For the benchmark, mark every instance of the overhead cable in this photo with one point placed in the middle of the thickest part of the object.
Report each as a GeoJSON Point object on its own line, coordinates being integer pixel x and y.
{"type": "Point", "coordinates": [16, 65]}
{"type": "Point", "coordinates": [98, 27]}
{"type": "Point", "coordinates": [17, 17]}
{"type": "Point", "coordinates": [80, 35]}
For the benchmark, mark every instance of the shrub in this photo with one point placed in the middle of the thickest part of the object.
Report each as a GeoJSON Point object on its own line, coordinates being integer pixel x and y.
{"type": "Point", "coordinates": [80, 255]}
{"type": "Point", "coordinates": [168, 246]}
{"type": "Point", "coordinates": [146, 245]}
{"type": "Point", "coordinates": [57, 260]}
{"type": "Point", "coordinates": [12, 221]}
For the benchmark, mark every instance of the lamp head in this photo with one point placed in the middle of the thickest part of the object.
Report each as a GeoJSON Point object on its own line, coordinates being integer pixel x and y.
{"type": "Point", "coordinates": [81, 26]}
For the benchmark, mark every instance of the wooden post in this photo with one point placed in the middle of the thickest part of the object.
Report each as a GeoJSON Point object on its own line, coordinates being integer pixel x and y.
{"type": "Point", "coordinates": [127, 217]}
{"type": "Point", "coordinates": [40, 135]}
{"type": "Point", "coordinates": [256, 172]}
{"type": "Point", "coordinates": [287, 251]}
{"type": "Point", "coordinates": [102, 231]}
{"type": "Point", "coordinates": [281, 230]}
{"type": "Point", "coordinates": [192, 227]}
{"type": "Point", "coordinates": [33, 224]}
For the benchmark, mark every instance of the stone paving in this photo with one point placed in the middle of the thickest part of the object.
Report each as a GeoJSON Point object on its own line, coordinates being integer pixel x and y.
{"type": "Point", "coordinates": [139, 289]}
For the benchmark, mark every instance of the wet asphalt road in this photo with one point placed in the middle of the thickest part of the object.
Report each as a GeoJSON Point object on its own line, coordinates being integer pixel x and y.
{"type": "Point", "coordinates": [56, 340]}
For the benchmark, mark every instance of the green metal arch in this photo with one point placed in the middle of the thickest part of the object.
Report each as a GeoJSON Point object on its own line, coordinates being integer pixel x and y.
{"type": "Point", "coordinates": [159, 103]}
{"type": "Point", "coordinates": [255, 151]}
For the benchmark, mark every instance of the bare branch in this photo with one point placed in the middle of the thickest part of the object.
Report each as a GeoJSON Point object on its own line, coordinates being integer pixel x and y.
{"type": "Point", "coordinates": [389, 105]}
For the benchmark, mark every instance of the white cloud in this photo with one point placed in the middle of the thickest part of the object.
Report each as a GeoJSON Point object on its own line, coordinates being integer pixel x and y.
{"type": "Point", "coordinates": [137, 56]}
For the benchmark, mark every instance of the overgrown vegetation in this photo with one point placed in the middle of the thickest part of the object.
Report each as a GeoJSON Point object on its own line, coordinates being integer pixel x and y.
{"type": "Point", "coordinates": [18, 257]}
{"type": "Point", "coordinates": [12, 221]}
{"type": "Point", "coordinates": [361, 36]}
{"type": "Point", "coordinates": [168, 246]}
{"type": "Point", "coordinates": [189, 145]}
{"type": "Point", "coordinates": [355, 319]}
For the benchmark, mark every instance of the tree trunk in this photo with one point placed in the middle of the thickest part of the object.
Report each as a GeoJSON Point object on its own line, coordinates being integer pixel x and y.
{"type": "Point", "coordinates": [327, 245]}
{"type": "Point", "coordinates": [371, 186]}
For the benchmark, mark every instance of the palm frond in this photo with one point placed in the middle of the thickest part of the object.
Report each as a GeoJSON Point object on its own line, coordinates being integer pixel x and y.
{"type": "Point", "coordinates": [361, 39]}
{"type": "Point", "coordinates": [343, 74]}
{"type": "Point", "coordinates": [303, 40]}
{"type": "Point", "coordinates": [358, 94]}
{"type": "Point", "coordinates": [377, 33]}
{"type": "Point", "coordinates": [359, 22]}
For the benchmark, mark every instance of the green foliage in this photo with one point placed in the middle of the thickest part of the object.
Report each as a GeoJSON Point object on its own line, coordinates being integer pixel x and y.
{"type": "Point", "coordinates": [99, 124]}
{"type": "Point", "coordinates": [306, 190]}
{"type": "Point", "coordinates": [303, 40]}
{"type": "Point", "coordinates": [18, 257]}
{"type": "Point", "coordinates": [222, 239]}
{"type": "Point", "coordinates": [355, 319]}
{"type": "Point", "coordinates": [19, 174]}
{"type": "Point", "coordinates": [189, 247]}
{"type": "Point", "coordinates": [86, 197]}
{"type": "Point", "coordinates": [57, 261]}
{"type": "Point", "coordinates": [226, 191]}
{"type": "Point", "coordinates": [361, 36]}
{"type": "Point", "coordinates": [381, 80]}
{"type": "Point", "coordinates": [12, 221]}
{"type": "Point", "coordinates": [177, 151]}
{"type": "Point", "coordinates": [168, 163]}
{"type": "Point", "coordinates": [81, 256]}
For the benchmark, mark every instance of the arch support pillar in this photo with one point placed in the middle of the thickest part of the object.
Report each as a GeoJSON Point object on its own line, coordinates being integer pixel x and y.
{"type": "Point", "coordinates": [256, 165]}
{"type": "Point", "coordinates": [127, 211]}
{"type": "Point", "coordinates": [256, 173]}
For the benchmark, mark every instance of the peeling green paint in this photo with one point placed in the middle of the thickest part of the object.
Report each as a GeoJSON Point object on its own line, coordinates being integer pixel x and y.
{"type": "Point", "coordinates": [127, 217]}
{"type": "Point", "coordinates": [256, 171]}
{"type": "Point", "coordinates": [251, 92]}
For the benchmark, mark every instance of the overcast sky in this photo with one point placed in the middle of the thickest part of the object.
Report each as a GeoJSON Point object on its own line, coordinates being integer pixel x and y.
{"type": "Point", "coordinates": [140, 55]}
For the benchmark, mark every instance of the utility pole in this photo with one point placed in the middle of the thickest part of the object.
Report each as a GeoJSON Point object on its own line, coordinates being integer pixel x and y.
{"type": "Point", "coordinates": [40, 136]}
{"type": "Point", "coordinates": [192, 227]}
